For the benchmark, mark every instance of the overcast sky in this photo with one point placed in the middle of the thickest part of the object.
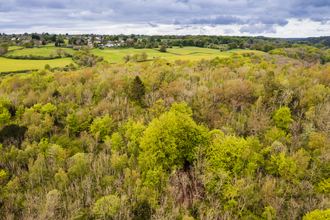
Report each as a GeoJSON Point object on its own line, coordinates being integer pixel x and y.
{"type": "Point", "coordinates": [272, 18]}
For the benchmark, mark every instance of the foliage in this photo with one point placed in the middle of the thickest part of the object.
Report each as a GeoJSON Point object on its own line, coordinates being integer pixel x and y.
{"type": "Point", "coordinates": [171, 140]}
{"type": "Point", "coordinates": [241, 136]}
{"type": "Point", "coordinates": [317, 214]}
{"type": "Point", "coordinates": [282, 118]}
{"type": "Point", "coordinates": [136, 90]}
{"type": "Point", "coordinates": [101, 127]}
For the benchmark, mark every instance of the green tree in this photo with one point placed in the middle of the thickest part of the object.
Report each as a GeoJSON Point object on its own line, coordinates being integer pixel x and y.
{"type": "Point", "coordinates": [48, 109]}
{"type": "Point", "coordinates": [171, 140]}
{"type": "Point", "coordinates": [107, 207]}
{"type": "Point", "coordinates": [102, 127]}
{"type": "Point", "coordinates": [234, 154]}
{"type": "Point", "coordinates": [282, 118]}
{"type": "Point", "coordinates": [48, 124]}
{"type": "Point", "coordinates": [317, 215]}
{"type": "Point", "coordinates": [73, 124]}
{"type": "Point", "coordinates": [79, 168]}
{"type": "Point", "coordinates": [60, 39]}
{"type": "Point", "coordinates": [4, 115]}
{"type": "Point", "coordinates": [47, 66]}
{"type": "Point", "coordinates": [269, 213]}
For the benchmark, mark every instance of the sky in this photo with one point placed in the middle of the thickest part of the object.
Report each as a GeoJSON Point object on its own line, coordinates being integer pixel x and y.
{"type": "Point", "coordinates": [270, 18]}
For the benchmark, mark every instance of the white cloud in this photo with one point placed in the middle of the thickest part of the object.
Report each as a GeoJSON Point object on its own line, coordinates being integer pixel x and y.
{"type": "Point", "coordinates": [241, 17]}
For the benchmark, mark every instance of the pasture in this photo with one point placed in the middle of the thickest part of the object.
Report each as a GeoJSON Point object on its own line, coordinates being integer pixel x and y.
{"type": "Point", "coordinates": [112, 55]}
{"type": "Point", "coordinates": [115, 55]}
{"type": "Point", "coordinates": [15, 65]}
{"type": "Point", "coordinates": [44, 51]}
{"type": "Point", "coordinates": [14, 48]}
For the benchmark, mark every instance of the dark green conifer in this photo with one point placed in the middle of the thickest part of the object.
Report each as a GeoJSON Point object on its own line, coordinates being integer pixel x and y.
{"type": "Point", "coordinates": [136, 90]}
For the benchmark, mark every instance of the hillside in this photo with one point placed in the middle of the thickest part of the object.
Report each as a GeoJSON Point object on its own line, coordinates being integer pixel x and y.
{"type": "Point", "coordinates": [244, 136]}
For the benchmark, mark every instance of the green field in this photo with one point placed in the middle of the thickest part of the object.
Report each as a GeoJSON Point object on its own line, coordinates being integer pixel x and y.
{"type": "Point", "coordinates": [37, 51]}
{"type": "Point", "coordinates": [14, 48]}
{"type": "Point", "coordinates": [14, 65]}
{"type": "Point", "coordinates": [113, 55]}
{"type": "Point", "coordinates": [116, 55]}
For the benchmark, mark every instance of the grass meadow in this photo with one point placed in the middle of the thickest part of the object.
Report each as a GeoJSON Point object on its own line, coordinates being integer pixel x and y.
{"type": "Point", "coordinates": [15, 65]}
{"type": "Point", "coordinates": [112, 55]}
{"type": "Point", "coordinates": [115, 55]}
{"type": "Point", "coordinates": [14, 48]}
{"type": "Point", "coordinates": [44, 51]}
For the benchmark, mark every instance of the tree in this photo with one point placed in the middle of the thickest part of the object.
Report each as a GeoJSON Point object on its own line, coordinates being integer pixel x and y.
{"type": "Point", "coordinates": [20, 111]}
{"type": "Point", "coordinates": [233, 154]}
{"type": "Point", "coordinates": [162, 48]}
{"type": "Point", "coordinates": [317, 214]}
{"type": "Point", "coordinates": [107, 207]}
{"type": "Point", "coordinates": [32, 42]}
{"type": "Point", "coordinates": [144, 56]}
{"type": "Point", "coordinates": [127, 58]}
{"type": "Point", "coordinates": [47, 66]}
{"type": "Point", "coordinates": [73, 124]}
{"type": "Point", "coordinates": [171, 140]}
{"type": "Point", "coordinates": [136, 90]}
{"type": "Point", "coordinates": [48, 124]}
{"type": "Point", "coordinates": [102, 127]}
{"type": "Point", "coordinates": [48, 109]}
{"type": "Point", "coordinates": [4, 116]}
{"type": "Point", "coordinates": [282, 118]}
{"type": "Point", "coordinates": [79, 168]}
{"type": "Point", "coordinates": [142, 211]}
{"type": "Point", "coordinates": [2, 51]}
{"type": "Point", "coordinates": [60, 40]}
{"type": "Point", "coordinates": [87, 49]}
{"type": "Point", "coordinates": [267, 48]}
{"type": "Point", "coordinates": [135, 57]}
{"type": "Point", "coordinates": [232, 45]}
{"type": "Point", "coordinates": [26, 45]}
{"type": "Point", "coordinates": [3, 48]}
{"type": "Point", "coordinates": [269, 213]}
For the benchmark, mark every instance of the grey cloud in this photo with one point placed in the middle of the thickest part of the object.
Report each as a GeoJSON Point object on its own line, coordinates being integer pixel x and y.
{"type": "Point", "coordinates": [229, 31]}
{"type": "Point", "coordinates": [258, 29]}
{"type": "Point", "coordinates": [152, 25]}
{"type": "Point", "coordinates": [183, 27]}
{"type": "Point", "coordinates": [272, 20]}
{"type": "Point", "coordinates": [323, 20]}
{"type": "Point", "coordinates": [249, 16]}
{"type": "Point", "coordinates": [223, 20]}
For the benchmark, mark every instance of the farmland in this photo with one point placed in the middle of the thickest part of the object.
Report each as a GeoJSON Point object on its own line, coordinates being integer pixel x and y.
{"type": "Point", "coordinates": [111, 55]}
{"type": "Point", "coordinates": [15, 65]}
{"type": "Point", "coordinates": [187, 53]}
{"type": "Point", "coordinates": [45, 51]}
